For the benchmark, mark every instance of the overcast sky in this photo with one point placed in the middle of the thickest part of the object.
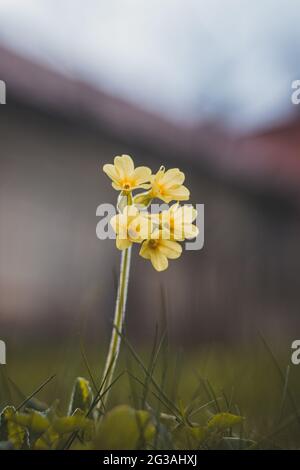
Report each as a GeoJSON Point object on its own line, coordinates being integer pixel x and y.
{"type": "Point", "coordinates": [189, 59]}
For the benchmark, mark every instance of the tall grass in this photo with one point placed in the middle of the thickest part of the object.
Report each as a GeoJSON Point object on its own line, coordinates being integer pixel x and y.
{"type": "Point", "coordinates": [178, 391]}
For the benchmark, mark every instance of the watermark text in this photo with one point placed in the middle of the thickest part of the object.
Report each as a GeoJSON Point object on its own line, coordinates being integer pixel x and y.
{"type": "Point", "coordinates": [2, 92]}
{"type": "Point", "coordinates": [159, 223]}
{"type": "Point", "coordinates": [2, 352]}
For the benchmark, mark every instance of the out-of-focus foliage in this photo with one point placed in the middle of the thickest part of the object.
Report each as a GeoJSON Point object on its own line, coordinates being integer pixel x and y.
{"type": "Point", "coordinates": [119, 429]}
{"type": "Point", "coordinates": [156, 401]}
{"type": "Point", "coordinates": [125, 428]}
{"type": "Point", "coordinates": [48, 430]}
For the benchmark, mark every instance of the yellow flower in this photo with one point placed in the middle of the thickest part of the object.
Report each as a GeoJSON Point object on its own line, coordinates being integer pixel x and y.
{"type": "Point", "coordinates": [177, 222]}
{"type": "Point", "coordinates": [168, 185]}
{"type": "Point", "coordinates": [125, 177]}
{"type": "Point", "coordinates": [131, 226]}
{"type": "Point", "coordinates": [158, 250]}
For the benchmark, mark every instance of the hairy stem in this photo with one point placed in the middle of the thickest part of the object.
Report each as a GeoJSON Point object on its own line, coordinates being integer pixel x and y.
{"type": "Point", "coordinates": [114, 346]}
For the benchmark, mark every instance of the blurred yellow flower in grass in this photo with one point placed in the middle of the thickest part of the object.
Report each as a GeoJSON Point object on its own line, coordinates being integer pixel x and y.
{"type": "Point", "coordinates": [168, 185]}
{"type": "Point", "coordinates": [158, 249]}
{"type": "Point", "coordinates": [131, 226]}
{"type": "Point", "coordinates": [178, 222]}
{"type": "Point", "coordinates": [125, 177]}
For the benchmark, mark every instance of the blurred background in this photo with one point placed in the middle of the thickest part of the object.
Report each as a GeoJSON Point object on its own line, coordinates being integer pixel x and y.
{"type": "Point", "coordinates": [175, 83]}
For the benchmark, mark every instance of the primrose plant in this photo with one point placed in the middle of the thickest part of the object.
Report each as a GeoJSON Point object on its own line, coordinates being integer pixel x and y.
{"type": "Point", "coordinates": [158, 234]}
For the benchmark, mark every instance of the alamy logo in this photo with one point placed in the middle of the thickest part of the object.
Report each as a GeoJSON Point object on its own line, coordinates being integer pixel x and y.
{"type": "Point", "coordinates": [2, 352]}
{"type": "Point", "coordinates": [181, 224]}
{"type": "Point", "coordinates": [295, 97]}
{"type": "Point", "coordinates": [295, 357]}
{"type": "Point", "coordinates": [2, 92]}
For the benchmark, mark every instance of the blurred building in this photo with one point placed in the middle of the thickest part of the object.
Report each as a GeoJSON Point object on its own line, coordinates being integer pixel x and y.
{"type": "Point", "coordinates": [56, 276]}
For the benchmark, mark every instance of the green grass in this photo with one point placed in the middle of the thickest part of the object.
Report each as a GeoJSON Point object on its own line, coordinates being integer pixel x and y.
{"type": "Point", "coordinates": [177, 391]}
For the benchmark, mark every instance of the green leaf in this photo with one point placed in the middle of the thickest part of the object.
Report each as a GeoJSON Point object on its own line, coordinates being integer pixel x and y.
{"type": "Point", "coordinates": [76, 422]}
{"type": "Point", "coordinates": [124, 428]}
{"type": "Point", "coordinates": [82, 396]}
{"type": "Point", "coordinates": [189, 437]}
{"type": "Point", "coordinates": [60, 426]}
{"type": "Point", "coordinates": [49, 440]}
{"type": "Point", "coordinates": [142, 200]}
{"type": "Point", "coordinates": [10, 431]}
{"type": "Point", "coordinates": [223, 421]}
{"type": "Point", "coordinates": [33, 420]}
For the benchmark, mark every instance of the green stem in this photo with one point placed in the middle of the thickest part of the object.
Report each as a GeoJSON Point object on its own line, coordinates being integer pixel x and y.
{"type": "Point", "coordinates": [114, 346]}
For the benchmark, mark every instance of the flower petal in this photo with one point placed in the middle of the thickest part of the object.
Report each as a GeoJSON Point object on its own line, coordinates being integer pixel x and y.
{"type": "Point", "coordinates": [114, 222]}
{"type": "Point", "coordinates": [178, 232]}
{"type": "Point", "coordinates": [170, 249]}
{"type": "Point", "coordinates": [144, 186]}
{"type": "Point", "coordinates": [180, 193]}
{"type": "Point", "coordinates": [175, 209]}
{"type": "Point", "coordinates": [116, 186]}
{"type": "Point", "coordinates": [185, 214]}
{"type": "Point", "coordinates": [110, 171]}
{"type": "Point", "coordinates": [165, 197]}
{"type": "Point", "coordinates": [130, 211]}
{"type": "Point", "coordinates": [141, 175]}
{"type": "Point", "coordinates": [124, 165]}
{"type": "Point", "coordinates": [190, 231]}
{"type": "Point", "coordinates": [158, 176]}
{"type": "Point", "coordinates": [145, 251]}
{"type": "Point", "coordinates": [122, 244]}
{"type": "Point", "coordinates": [139, 229]}
{"type": "Point", "coordinates": [173, 177]}
{"type": "Point", "coordinates": [159, 260]}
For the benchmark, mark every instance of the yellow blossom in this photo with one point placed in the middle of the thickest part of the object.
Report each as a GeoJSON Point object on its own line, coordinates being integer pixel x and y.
{"type": "Point", "coordinates": [168, 185]}
{"type": "Point", "coordinates": [158, 250]}
{"type": "Point", "coordinates": [131, 226]}
{"type": "Point", "coordinates": [177, 222]}
{"type": "Point", "coordinates": [125, 177]}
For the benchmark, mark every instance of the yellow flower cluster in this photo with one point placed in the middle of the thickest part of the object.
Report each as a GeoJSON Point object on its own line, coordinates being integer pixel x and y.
{"type": "Point", "coordinates": [160, 233]}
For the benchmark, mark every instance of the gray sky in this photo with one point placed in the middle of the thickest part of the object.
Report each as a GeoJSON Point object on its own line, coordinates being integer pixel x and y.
{"type": "Point", "coordinates": [188, 59]}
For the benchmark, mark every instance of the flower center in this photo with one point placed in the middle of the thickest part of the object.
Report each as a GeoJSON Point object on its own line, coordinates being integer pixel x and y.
{"type": "Point", "coordinates": [126, 186]}
{"type": "Point", "coordinates": [160, 188]}
{"type": "Point", "coordinates": [153, 244]}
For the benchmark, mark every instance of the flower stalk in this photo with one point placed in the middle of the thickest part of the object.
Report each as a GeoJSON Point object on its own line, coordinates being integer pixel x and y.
{"type": "Point", "coordinates": [157, 234]}
{"type": "Point", "coordinates": [120, 308]}
{"type": "Point", "coordinates": [114, 347]}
